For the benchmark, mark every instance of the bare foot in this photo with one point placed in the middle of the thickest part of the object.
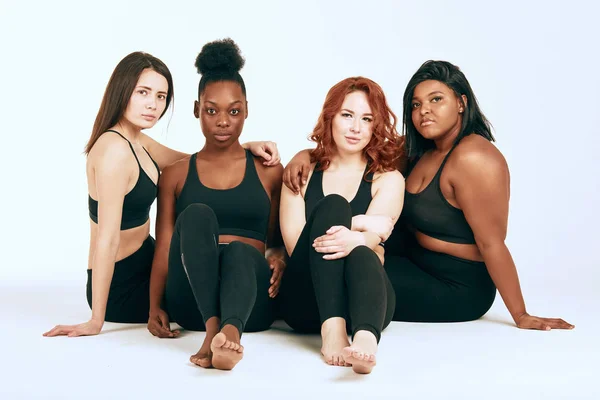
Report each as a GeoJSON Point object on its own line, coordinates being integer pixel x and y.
{"type": "Point", "coordinates": [203, 358]}
{"type": "Point", "coordinates": [362, 352]}
{"type": "Point", "coordinates": [226, 348]}
{"type": "Point", "coordinates": [335, 338]}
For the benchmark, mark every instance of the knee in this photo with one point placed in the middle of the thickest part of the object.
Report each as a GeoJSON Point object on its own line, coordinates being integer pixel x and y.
{"type": "Point", "coordinates": [332, 202]}
{"type": "Point", "coordinates": [362, 256]}
{"type": "Point", "coordinates": [196, 214]}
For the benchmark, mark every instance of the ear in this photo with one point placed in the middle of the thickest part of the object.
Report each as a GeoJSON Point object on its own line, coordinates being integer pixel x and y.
{"type": "Point", "coordinates": [462, 103]}
{"type": "Point", "coordinates": [246, 110]}
{"type": "Point", "coordinates": [196, 109]}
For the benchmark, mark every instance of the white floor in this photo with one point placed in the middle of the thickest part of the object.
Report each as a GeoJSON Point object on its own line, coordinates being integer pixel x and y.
{"type": "Point", "coordinates": [485, 359]}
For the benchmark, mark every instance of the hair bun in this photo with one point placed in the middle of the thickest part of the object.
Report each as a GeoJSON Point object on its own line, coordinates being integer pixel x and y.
{"type": "Point", "coordinates": [219, 56]}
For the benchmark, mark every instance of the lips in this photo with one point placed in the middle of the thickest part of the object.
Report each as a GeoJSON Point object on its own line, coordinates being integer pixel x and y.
{"type": "Point", "coordinates": [148, 117]}
{"type": "Point", "coordinates": [426, 122]}
{"type": "Point", "coordinates": [222, 137]}
{"type": "Point", "coordinates": [352, 140]}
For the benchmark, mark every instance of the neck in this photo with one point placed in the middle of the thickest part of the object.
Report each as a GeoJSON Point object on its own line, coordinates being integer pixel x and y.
{"type": "Point", "coordinates": [445, 143]}
{"type": "Point", "coordinates": [127, 129]}
{"type": "Point", "coordinates": [350, 161]}
{"type": "Point", "coordinates": [216, 151]}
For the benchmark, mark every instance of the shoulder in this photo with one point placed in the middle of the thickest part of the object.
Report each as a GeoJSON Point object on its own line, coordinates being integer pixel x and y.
{"type": "Point", "coordinates": [111, 149]}
{"type": "Point", "coordinates": [176, 171]}
{"type": "Point", "coordinates": [476, 155]}
{"type": "Point", "coordinates": [274, 172]}
{"type": "Point", "coordinates": [388, 178]}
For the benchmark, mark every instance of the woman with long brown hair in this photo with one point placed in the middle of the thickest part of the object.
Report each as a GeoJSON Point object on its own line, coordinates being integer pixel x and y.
{"type": "Point", "coordinates": [333, 231]}
{"type": "Point", "coordinates": [123, 168]}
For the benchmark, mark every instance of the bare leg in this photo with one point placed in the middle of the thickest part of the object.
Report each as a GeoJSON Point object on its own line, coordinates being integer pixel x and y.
{"type": "Point", "coordinates": [226, 348]}
{"type": "Point", "coordinates": [361, 354]}
{"type": "Point", "coordinates": [335, 338]}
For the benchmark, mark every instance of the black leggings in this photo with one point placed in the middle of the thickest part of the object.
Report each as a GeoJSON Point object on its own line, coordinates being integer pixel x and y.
{"type": "Point", "coordinates": [355, 287]}
{"type": "Point", "coordinates": [207, 280]}
{"type": "Point", "coordinates": [436, 287]}
{"type": "Point", "coordinates": [128, 296]}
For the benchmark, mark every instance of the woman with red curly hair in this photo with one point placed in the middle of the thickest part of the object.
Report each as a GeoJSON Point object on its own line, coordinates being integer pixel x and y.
{"type": "Point", "coordinates": [333, 231]}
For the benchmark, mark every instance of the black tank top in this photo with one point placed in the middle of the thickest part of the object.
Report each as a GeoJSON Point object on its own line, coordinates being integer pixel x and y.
{"type": "Point", "coordinates": [314, 193]}
{"type": "Point", "coordinates": [430, 213]}
{"type": "Point", "coordinates": [243, 210]}
{"type": "Point", "coordinates": [136, 204]}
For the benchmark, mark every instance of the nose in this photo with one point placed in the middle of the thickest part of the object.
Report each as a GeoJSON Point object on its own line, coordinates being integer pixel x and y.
{"type": "Point", "coordinates": [151, 104]}
{"type": "Point", "coordinates": [424, 109]}
{"type": "Point", "coordinates": [223, 120]}
{"type": "Point", "coordinates": [355, 127]}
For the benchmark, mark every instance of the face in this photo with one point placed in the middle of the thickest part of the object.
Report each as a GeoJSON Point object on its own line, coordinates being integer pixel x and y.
{"type": "Point", "coordinates": [436, 110]}
{"type": "Point", "coordinates": [352, 125]}
{"type": "Point", "coordinates": [222, 110]}
{"type": "Point", "coordinates": [148, 100]}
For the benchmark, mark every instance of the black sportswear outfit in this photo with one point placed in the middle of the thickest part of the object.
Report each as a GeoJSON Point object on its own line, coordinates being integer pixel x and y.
{"type": "Point", "coordinates": [432, 286]}
{"type": "Point", "coordinates": [208, 279]}
{"type": "Point", "coordinates": [128, 296]}
{"type": "Point", "coordinates": [355, 287]}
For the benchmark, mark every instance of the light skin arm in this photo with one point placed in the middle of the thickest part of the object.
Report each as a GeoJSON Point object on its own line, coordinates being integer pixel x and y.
{"type": "Point", "coordinates": [387, 201]}
{"type": "Point", "coordinates": [158, 321]}
{"type": "Point", "coordinates": [266, 150]}
{"type": "Point", "coordinates": [482, 192]}
{"type": "Point", "coordinates": [111, 187]}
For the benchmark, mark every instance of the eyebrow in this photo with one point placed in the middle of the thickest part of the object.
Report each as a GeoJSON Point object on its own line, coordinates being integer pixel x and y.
{"type": "Point", "coordinates": [149, 88]}
{"type": "Point", "coordinates": [352, 112]}
{"type": "Point", "coordinates": [434, 92]}
{"type": "Point", "coordinates": [215, 103]}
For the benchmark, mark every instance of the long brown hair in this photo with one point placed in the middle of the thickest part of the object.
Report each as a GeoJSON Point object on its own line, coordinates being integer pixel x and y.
{"type": "Point", "coordinates": [385, 149]}
{"type": "Point", "coordinates": [119, 90]}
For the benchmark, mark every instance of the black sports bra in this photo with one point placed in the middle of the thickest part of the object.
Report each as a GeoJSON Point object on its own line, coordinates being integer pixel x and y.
{"type": "Point", "coordinates": [136, 204]}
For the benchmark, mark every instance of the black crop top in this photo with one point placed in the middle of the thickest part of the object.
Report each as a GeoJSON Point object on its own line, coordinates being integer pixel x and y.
{"type": "Point", "coordinates": [430, 213]}
{"type": "Point", "coordinates": [136, 204]}
{"type": "Point", "coordinates": [314, 193]}
{"type": "Point", "coordinates": [243, 210]}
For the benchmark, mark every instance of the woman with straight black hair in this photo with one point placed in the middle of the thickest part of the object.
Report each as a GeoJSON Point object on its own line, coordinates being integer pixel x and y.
{"type": "Point", "coordinates": [456, 209]}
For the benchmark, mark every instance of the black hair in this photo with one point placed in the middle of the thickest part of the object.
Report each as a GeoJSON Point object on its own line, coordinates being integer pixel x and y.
{"type": "Point", "coordinates": [220, 60]}
{"type": "Point", "coordinates": [473, 120]}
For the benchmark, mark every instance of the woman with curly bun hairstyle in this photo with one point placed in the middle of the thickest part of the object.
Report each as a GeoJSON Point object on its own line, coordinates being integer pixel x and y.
{"type": "Point", "coordinates": [335, 282]}
{"type": "Point", "coordinates": [219, 256]}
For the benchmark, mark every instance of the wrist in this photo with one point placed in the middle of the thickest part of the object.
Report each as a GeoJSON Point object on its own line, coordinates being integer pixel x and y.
{"type": "Point", "coordinates": [97, 322]}
{"type": "Point", "coordinates": [517, 317]}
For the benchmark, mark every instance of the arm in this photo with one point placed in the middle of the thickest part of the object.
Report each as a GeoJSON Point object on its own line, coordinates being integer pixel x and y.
{"type": "Point", "coordinates": [483, 194]}
{"type": "Point", "coordinates": [292, 218]}
{"type": "Point", "coordinates": [387, 203]}
{"type": "Point", "coordinates": [111, 187]}
{"type": "Point", "coordinates": [296, 172]}
{"type": "Point", "coordinates": [163, 155]}
{"type": "Point", "coordinates": [266, 150]}
{"type": "Point", "coordinates": [275, 253]}
{"type": "Point", "coordinates": [158, 321]}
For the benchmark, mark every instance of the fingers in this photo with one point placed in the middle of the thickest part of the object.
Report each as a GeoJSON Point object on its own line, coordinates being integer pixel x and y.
{"type": "Point", "coordinates": [334, 229]}
{"type": "Point", "coordinates": [59, 330]}
{"type": "Point", "coordinates": [296, 178]}
{"type": "Point", "coordinates": [270, 154]}
{"type": "Point", "coordinates": [335, 256]}
{"type": "Point", "coordinates": [305, 171]}
{"type": "Point", "coordinates": [557, 323]}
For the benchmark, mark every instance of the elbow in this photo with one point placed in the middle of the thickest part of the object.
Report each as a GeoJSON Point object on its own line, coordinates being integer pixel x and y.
{"type": "Point", "coordinates": [487, 246]}
{"type": "Point", "coordinates": [108, 244]}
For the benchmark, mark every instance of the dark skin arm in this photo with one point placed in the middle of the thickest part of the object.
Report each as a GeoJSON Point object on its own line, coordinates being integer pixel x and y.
{"type": "Point", "coordinates": [482, 188]}
{"type": "Point", "coordinates": [275, 253]}
{"type": "Point", "coordinates": [296, 172]}
{"type": "Point", "coordinates": [158, 321]}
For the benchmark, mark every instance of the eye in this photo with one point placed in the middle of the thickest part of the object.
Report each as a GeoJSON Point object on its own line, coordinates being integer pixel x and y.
{"type": "Point", "coordinates": [346, 115]}
{"type": "Point", "coordinates": [235, 111]}
{"type": "Point", "coordinates": [162, 97]}
{"type": "Point", "coordinates": [436, 99]}
{"type": "Point", "coordinates": [143, 92]}
{"type": "Point", "coordinates": [211, 111]}
{"type": "Point", "coordinates": [415, 105]}
{"type": "Point", "coordinates": [368, 119]}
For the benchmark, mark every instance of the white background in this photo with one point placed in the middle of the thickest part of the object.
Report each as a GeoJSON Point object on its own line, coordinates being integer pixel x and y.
{"type": "Point", "coordinates": [532, 65]}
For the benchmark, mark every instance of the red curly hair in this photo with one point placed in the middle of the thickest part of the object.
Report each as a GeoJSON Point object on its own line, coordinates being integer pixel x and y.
{"type": "Point", "coordinates": [385, 151]}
